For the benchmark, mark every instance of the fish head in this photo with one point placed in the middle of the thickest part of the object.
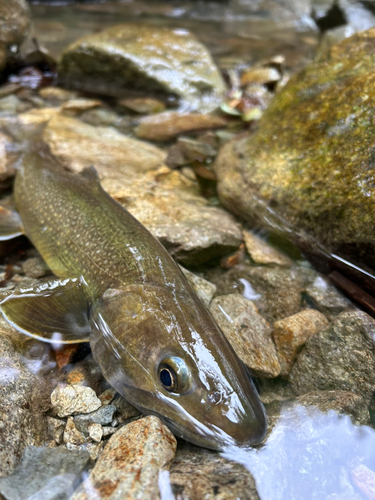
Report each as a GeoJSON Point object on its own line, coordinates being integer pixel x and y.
{"type": "Point", "coordinates": [169, 358]}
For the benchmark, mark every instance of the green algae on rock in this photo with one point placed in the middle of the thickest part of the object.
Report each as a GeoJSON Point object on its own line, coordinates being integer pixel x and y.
{"type": "Point", "coordinates": [309, 168]}
{"type": "Point", "coordinates": [144, 58]}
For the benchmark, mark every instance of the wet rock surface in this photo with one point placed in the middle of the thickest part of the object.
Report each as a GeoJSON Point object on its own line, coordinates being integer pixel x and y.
{"type": "Point", "coordinates": [147, 59]}
{"type": "Point", "coordinates": [341, 402]}
{"type": "Point", "coordinates": [340, 358]}
{"type": "Point", "coordinates": [248, 333]}
{"type": "Point", "coordinates": [102, 416]}
{"type": "Point", "coordinates": [298, 171]}
{"type": "Point", "coordinates": [274, 290]}
{"type": "Point", "coordinates": [199, 473]}
{"type": "Point", "coordinates": [130, 463]}
{"type": "Point", "coordinates": [263, 253]}
{"type": "Point", "coordinates": [45, 473]}
{"type": "Point", "coordinates": [326, 298]}
{"type": "Point", "coordinates": [170, 206]}
{"type": "Point", "coordinates": [203, 288]}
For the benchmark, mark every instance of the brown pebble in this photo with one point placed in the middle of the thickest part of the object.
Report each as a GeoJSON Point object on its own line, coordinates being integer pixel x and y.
{"type": "Point", "coordinates": [129, 466]}
{"type": "Point", "coordinates": [291, 333]}
{"type": "Point", "coordinates": [166, 126]}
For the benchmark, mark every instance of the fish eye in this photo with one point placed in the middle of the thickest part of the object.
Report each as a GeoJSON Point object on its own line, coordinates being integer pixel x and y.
{"type": "Point", "coordinates": [174, 375]}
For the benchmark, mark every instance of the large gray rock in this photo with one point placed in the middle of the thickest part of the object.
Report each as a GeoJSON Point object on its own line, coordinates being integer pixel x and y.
{"type": "Point", "coordinates": [45, 474]}
{"type": "Point", "coordinates": [342, 357]}
{"type": "Point", "coordinates": [144, 58]}
{"type": "Point", "coordinates": [308, 169]}
{"type": "Point", "coordinates": [19, 428]}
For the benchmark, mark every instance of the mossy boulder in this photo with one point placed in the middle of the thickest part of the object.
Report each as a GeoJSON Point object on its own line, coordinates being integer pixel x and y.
{"type": "Point", "coordinates": [309, 170]}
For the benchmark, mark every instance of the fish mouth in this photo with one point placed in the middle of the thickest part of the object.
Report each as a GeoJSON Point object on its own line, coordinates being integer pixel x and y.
{"type": "Point", "coordinates": [214, 438]}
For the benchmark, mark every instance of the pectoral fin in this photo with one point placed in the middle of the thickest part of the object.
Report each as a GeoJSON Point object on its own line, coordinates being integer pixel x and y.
{"type": "Point", "coordinates": [10, 224]}
{"type": "Point", "coordinates": [55, 311]}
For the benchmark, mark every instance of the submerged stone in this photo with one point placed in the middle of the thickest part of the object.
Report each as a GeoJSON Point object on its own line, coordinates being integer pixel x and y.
{"type": "Point", "coordinates": [24, 398]}
{"type": "Point", "coordinates": [309, 168]}
{"type": "Point", "coordinates": [45, 474]}
{"type": "Point", "coordinates": [342, 357]}
{"type": "Point", "coordinates": [144, 58]}
{"type": "Point", "coordinates": [263, 253]}
{"type": "Point", "coordinates": [276, 291]}
{"type": "Point", "coordinates": [102, 416]}
{"type": "Point", "coordinates": [197, 473]}
{"type": "Point", "coordinates": [248, 333]}
{"type": "Point", "coordinates": [326, 298]}
{"type": "Point", "coordinates": [203, 288]}
{"type": "Point", "coordinates": [341, 402]}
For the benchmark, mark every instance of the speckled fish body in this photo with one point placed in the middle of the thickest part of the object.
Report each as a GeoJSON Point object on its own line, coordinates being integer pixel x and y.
{"type": "Point", "coordinates": [153, 339]}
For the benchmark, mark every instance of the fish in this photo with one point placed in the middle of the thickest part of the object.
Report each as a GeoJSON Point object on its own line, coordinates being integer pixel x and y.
{"type": "Point", "coordinates": [116, 286]}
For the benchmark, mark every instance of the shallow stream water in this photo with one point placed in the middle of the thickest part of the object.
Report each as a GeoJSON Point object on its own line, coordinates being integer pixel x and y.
{"type": "Point", "coordinates": [307, 454]}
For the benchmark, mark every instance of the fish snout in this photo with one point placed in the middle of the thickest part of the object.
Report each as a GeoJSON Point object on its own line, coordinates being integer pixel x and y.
{"type": "Point", "coordinates": [242, 421]}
